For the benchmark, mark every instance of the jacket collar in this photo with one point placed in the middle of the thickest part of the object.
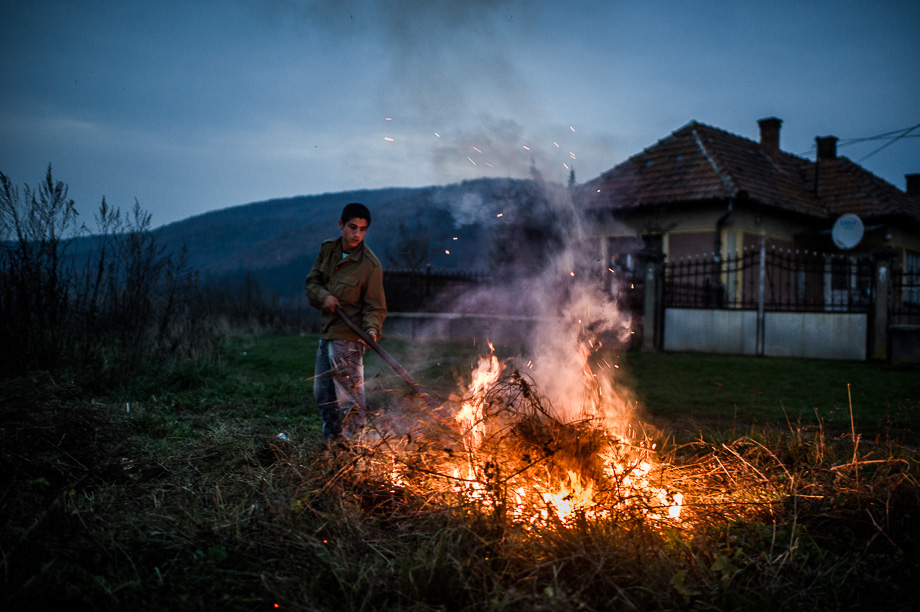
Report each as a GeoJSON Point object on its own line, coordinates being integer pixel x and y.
{"type": "Point", "coordinates": [355, 254]}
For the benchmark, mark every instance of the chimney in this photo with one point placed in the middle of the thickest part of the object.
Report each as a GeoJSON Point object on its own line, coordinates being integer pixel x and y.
{"type": "Point", "coordinates": [827, 147]}
{"type": "Point", "coordinates": [913, 185]}
{"type": "Point", "coordinates": [769, 135]}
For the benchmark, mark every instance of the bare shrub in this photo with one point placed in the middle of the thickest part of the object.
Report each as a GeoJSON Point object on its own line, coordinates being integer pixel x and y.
{"type": "Point", "coordinates": [93, 305]}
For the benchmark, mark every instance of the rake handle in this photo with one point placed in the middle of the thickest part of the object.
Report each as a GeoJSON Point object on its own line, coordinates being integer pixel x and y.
{"type": "Point", "coordinates": [401, 371]}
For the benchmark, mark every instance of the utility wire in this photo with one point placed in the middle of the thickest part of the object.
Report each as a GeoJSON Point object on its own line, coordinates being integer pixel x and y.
{"type": "Point", "coordinates": [891, 137]}
{"type": "Point", "coordinates": [890, 142]}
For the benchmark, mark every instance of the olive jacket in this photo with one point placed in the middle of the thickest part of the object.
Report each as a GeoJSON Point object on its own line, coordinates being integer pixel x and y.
{"type": "Point", "coordinates": [356, 280]}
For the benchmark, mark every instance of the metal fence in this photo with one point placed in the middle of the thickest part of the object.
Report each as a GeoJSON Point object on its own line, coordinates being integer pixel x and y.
{"type": "Point", "coordinates": [428, 290]}
{"type": "Point", "coordinates": [771, 280]}
{"type": "Point", "coordinates": [905, 296]}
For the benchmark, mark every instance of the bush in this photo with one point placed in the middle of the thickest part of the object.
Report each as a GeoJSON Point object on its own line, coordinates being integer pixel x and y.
{"type": "Point", "coordinates": [94, 306]}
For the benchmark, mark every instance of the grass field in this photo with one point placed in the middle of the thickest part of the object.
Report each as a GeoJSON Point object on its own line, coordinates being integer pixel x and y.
{"type": "Point", "coordinates": [686, 392]}
{"type": "Point", "coordinates": [179, 494]}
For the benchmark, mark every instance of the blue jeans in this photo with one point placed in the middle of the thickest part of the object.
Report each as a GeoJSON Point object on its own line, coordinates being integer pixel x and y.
{"type": "Point", "coordinates": [338, 387]}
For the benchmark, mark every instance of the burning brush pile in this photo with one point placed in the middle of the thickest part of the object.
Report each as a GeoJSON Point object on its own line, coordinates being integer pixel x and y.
{"type": "Point", "coordinates": [506, 448]}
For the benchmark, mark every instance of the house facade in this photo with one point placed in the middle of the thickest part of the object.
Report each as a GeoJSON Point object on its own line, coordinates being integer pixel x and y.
{"type": "Point", "coordinates": [744, 231]}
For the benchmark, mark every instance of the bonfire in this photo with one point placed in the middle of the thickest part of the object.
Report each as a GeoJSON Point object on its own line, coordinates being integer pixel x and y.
{"type": "Point", "coordinates": [501, 444]}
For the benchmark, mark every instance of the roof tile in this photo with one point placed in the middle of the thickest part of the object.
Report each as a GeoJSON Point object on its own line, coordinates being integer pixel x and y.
{"type": "Point", "coordinates": [699, 162]}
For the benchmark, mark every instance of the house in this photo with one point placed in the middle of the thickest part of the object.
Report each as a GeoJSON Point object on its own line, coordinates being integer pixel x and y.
{"type": "Point", "coordinates": [708, 199]}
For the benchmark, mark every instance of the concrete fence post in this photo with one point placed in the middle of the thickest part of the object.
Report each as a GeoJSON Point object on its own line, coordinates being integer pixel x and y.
{"type": "Point", "coordinates": [653, 306]}
{"type": "Point", "coordinates": [882, 261]}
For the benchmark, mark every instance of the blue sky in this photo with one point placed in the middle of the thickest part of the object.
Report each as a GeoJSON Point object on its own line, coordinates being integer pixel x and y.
{"type": "Point", "coordinates": [197, 105]}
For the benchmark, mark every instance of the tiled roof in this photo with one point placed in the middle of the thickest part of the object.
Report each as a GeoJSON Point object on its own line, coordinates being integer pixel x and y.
{"type": "Point", "coordinates": [699, 162]}
{"type": "Point", "coordinates": [846, 187]}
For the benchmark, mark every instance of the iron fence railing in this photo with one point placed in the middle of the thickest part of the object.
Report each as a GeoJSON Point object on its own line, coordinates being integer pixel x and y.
{"type": "Point", "coordinates": [770, 279]}
{"type": "Point", "coordinates": [905, 297]}
{"type": "Point", "coordinates": [428, 290]}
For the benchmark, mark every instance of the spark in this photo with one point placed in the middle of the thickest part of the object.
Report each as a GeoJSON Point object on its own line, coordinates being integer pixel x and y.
{"type": "Point", "coordinates": [388, 139]}
{"type": "Point", "coordinates": [565, 165]}
{"type": "Point", "coordinates": [526, 148]}
{"type": "Point", "coordinates": [489, 165]}
{"type": "Point", "coordinates": [436, 134]}
{"type": "Point", "coordinates": [571, 274]}
{"type": "Point", "coordinates": [477, 150]}
{"type": "Point", "coordinates": [455, 238]}
{"type": "Point", "coordinates": [389, 118]}
{"type": "Point", "coordinates": [572, 155]}
{"type": "Point", "coordinates": [571, 128]}
{"type": "Point", "coordinates": [446, 252]}
{"type": "Point", "coordinates": [499, 214]}
{"type": "Point", "coordinates": [471, 161]}
{"type": "Point", "coordinates": [556, 143]}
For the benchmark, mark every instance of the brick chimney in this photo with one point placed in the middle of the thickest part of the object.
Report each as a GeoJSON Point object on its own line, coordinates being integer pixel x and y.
{"type": "Point", "coordinates": [827, 147]}
{"type": "Point", "coordinates": [913, 185]}
{"type": "Point", "coordinates": [769, 135]}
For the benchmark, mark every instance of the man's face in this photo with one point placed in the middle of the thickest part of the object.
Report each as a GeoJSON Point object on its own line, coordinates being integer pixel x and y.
{"type": "Point", "coordinates": [353, 232]}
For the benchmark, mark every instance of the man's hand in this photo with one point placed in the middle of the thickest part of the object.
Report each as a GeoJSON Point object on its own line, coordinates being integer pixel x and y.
{"type": "Point", "coordinates": [329, 303]}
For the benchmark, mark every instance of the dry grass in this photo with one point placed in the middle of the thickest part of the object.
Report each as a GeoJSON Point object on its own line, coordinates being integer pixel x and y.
{"type": "Point", "coordinates": [191, 501]}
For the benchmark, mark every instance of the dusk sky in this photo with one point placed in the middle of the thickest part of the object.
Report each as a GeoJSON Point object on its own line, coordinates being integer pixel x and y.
{"type": "Point", "coordinates": [194, 105]}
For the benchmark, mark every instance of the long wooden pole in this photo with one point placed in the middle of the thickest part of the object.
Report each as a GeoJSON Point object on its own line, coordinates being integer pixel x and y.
{"type": "Point", "coordinates": [401, 371]}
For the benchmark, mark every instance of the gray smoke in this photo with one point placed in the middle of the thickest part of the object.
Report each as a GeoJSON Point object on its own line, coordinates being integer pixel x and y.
{"type": "Point", "coordinates": [448, 75]}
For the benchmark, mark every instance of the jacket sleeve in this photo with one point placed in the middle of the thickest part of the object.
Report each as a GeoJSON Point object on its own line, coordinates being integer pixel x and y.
{"type": "Point", "coordinates": [374, 310]}
{"type": "Point", "coordinates": [316, 282]}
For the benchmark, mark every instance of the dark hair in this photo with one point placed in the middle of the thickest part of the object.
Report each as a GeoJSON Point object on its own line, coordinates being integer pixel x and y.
{"type": "Point", "coordinates": [356, 210]}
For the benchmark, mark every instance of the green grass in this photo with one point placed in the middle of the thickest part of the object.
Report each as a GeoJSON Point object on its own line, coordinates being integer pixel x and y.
{"type": "Point", "coordinates": [688, 391]}
{"type": "Point", "coordinates": [175, 493]}
{"type": "Point", "coordinates": [683, 388]}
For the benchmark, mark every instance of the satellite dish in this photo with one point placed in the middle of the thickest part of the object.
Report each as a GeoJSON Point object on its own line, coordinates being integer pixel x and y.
{"type": "Point", "coordinates": [847, 231]}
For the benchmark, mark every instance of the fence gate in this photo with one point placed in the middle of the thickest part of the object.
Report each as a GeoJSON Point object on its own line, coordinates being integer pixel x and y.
{"type": "Point", "coordinates": [769, 302]}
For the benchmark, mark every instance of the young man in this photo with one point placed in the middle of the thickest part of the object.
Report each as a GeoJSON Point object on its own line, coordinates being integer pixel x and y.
{"type": "Point", "coordinates": [347, 274]}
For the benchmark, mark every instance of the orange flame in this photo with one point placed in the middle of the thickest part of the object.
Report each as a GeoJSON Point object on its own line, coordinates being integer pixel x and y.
{"type": "Point", "coordinates": [552, 498]}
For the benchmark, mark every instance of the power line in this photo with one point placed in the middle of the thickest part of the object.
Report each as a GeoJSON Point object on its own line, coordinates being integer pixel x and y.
{"type": "Point", "coordinates": [890, 142]}
{"type": "Point", "coordinates": [891, 137]}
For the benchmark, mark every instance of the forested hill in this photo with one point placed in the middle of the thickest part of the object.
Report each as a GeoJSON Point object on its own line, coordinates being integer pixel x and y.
{"type": "Point", "coordinates": [448, 227]}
